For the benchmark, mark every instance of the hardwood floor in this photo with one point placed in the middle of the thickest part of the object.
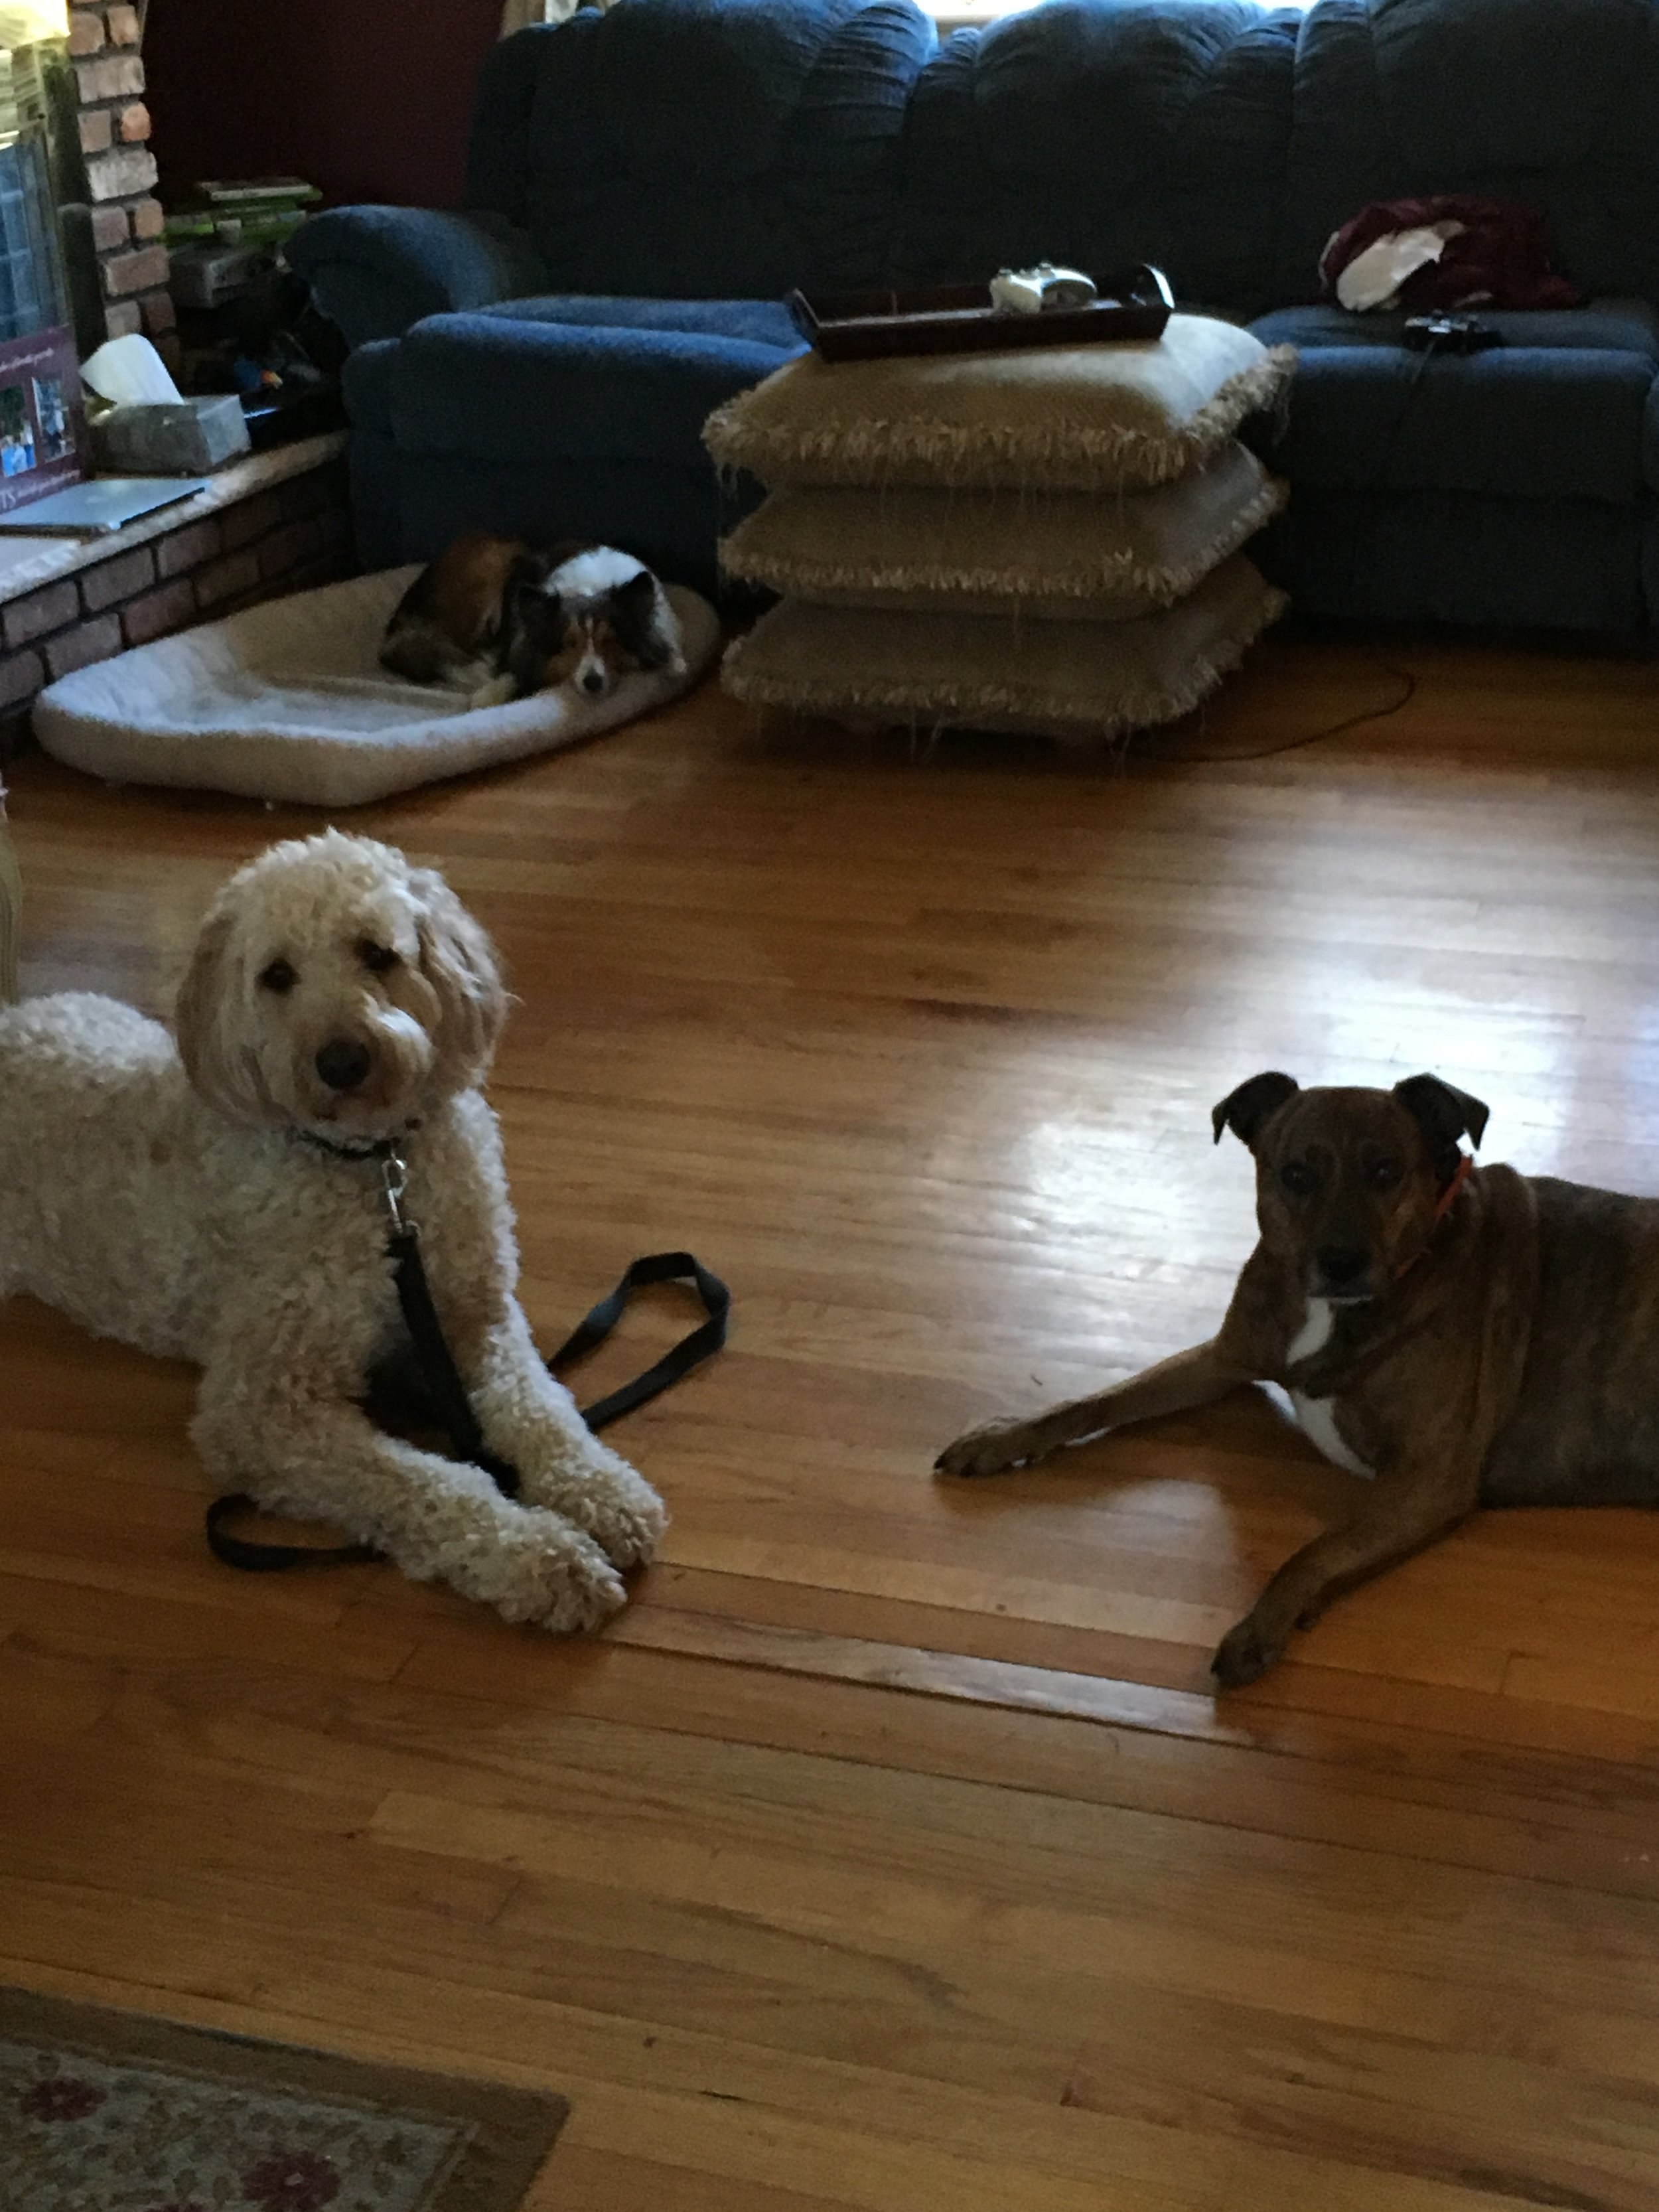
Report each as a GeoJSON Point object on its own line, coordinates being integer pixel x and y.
{"type": "Point", "coordinates": [891, 1851]}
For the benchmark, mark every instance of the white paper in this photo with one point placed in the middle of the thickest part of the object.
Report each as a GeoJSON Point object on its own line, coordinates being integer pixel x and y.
{"type": "Point", "coordinates": [128, 370]}
{"type": "Point", "coordinates": [1373, 278]}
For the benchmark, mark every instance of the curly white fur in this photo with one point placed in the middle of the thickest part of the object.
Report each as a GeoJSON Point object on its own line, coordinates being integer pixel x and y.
{"type": "Point", "coordinates": [166, 1196]}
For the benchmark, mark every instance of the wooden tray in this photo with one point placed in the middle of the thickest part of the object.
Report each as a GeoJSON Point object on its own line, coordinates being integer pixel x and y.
{"type": "Point", "coordinates": [1134, 303]}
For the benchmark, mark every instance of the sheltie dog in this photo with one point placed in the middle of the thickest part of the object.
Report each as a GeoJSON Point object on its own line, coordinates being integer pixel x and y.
{"type": "Point", "coordinates": [496, 617]}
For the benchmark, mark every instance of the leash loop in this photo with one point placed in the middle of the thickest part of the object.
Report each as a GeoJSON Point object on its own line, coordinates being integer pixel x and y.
{"type": "Point", "coordinates": [690, 1352]}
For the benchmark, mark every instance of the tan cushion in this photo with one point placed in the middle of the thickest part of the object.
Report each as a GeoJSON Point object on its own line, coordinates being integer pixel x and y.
{"type": "Point", "coordinates": [1077, 418]}
{"type": "Point", "coordinates": [1094, 554]}
{"type": "Point", "coordinates": [1073, 680]}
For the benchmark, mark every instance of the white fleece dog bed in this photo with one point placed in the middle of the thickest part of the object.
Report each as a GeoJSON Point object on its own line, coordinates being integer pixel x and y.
{"type": "Point", "coordinates": [288, 701]}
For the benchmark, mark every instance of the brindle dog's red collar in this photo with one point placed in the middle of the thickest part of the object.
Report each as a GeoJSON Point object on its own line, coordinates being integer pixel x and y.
{"type": "Point", "coordinates": [1448, 1197]}
{"type": "Point", "coordinates": [1444, 1206]}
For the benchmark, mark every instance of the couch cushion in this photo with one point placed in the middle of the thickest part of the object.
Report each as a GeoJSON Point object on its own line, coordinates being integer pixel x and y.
{"type": "Point", "coordinates": [671, 516]}
{"type": "Point", "coordinates": [760, 322]}
{"type": "Point", "coordinates": [1558, 411]}
{"type": "Point", "coordinates": [1101, 136]}
{"type": "Point", "coordinates": [372, 370]}
{"type": "Point", "coordinates": [1551, 102]}
{"type": "Point", "coordinates": [1079, 418]}
{"type": "Point", "coordinates": [1078, 681]}
{"type": "Point", "coordinates": [376, 469]}
{"type": "Point", "coordinates": [1057, 554]}
{"type": "Point", "coordinates": [366, 382]}
{"type": "Point", "coordinates": [1605, 325]}
{"type": "Point", "coordinates": [703, 146]}
{"type": "Point", "coordinates": [511, 388]}
{"type": "Point", "coordinates": [374, 271]}
{"type": "Point", "coordinates": [1431, 556]}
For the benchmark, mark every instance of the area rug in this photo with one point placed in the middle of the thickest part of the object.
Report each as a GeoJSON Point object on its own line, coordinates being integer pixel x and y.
{"type": "Point", "coordinates": [109, 2111]}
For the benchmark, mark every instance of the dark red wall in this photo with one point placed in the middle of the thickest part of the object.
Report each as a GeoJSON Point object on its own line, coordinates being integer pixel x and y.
{"type": "Point", "coordinates": [368, 99]}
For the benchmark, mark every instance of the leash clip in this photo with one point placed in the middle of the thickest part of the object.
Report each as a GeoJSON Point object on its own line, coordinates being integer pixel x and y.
{"type": "Point", "coordinates": [394, 1181]}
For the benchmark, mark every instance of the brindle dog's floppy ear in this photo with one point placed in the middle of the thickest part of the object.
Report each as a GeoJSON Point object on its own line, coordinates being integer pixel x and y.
{"type": "Point", "coordinates": [1247, 1110]}
{"type": "Point", "coordinates": [1443, 1113]}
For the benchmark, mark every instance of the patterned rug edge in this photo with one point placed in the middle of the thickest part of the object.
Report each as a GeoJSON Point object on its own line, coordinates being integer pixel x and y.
{"type": "Point", "coordinates": [514, 2129]}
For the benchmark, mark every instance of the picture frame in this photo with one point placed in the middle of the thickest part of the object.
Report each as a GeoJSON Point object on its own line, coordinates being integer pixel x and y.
{"type": "Point", "coordinates": [42, 425]}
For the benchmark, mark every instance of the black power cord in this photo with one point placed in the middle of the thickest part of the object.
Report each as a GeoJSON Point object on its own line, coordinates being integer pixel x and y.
{"type": "Point", "coordinates": [1403, 676]}
{"type": "Point", "coordinates": [1429, 336]}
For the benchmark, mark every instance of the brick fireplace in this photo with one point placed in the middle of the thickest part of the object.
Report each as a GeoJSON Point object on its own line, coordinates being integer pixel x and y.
{"type": "Point", "coordinates": [271, 524]}
{"type": "Point", "coordinates": [268, 523]}
{"type": "Point", "coordinates": [104, 42]}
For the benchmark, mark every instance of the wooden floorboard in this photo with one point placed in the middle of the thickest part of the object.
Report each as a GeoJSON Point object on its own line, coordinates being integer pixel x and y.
{"type": "Point", "coordinates": [891, 1851]}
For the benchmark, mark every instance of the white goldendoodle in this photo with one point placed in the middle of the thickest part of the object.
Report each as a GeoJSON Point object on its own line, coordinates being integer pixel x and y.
{"type": "Point", "coordinates": [219, 1202]}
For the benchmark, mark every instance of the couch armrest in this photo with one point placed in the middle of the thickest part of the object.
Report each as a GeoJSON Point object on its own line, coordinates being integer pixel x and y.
{"type": "Point", "coordinates": [374, 271]}
{"type": "Point", "coordinates": [492, 388]}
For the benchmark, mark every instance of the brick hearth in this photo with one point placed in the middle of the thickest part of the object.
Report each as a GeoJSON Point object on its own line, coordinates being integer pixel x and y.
{"type": "Point", "coordinates": [275, 523]}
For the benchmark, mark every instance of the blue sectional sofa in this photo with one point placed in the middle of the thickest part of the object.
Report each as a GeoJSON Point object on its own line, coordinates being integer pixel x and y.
{"type": "Point", "coordinates": [646, 185]}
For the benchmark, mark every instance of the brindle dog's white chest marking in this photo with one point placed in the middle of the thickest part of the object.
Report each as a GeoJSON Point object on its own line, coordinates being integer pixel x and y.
{"type": "Point", "coordinates": [1315, 1415]}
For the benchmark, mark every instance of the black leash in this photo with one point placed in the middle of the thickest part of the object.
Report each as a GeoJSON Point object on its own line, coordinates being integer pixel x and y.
{"type": "Point", "coordinates": [690, 1352]}
{"type": "Point", "coordinates": [433, 1390]}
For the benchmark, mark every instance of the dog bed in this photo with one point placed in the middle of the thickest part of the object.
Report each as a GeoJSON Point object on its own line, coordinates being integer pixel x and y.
{"type": "Point", "coordinates": [288, 701]}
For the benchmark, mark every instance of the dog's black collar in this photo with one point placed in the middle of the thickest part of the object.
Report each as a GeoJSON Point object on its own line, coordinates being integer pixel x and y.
{"type": "Point", "coordinates": [382, 1148]}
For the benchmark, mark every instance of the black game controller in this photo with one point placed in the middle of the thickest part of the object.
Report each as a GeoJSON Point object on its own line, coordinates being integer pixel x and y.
{"type": "Point", "coordinates": [1448, 334]}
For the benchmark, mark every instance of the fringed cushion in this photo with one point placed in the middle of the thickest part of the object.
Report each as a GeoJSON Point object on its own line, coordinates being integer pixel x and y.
{"type": "Point", "coordinates": [1084, 418]}
{"type": "Point", "coordinates": [1111, 555]}
{"type": "Point", "coordinates": [1077, 681]}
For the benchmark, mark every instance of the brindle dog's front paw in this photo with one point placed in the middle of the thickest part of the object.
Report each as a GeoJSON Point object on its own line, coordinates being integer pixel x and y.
{"type": "Point", "coordinates": [990, 1450]}
{"type": "Point", "coordinates": [1244, 1654]}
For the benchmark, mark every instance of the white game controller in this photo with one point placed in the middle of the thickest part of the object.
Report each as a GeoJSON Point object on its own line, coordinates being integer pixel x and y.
{"type": "Point", "coordinates": [1029, 291]}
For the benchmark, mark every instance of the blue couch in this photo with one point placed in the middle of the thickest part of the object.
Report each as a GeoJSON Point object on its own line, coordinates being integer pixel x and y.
{"type": "Point", "coordinates": [646, 184]}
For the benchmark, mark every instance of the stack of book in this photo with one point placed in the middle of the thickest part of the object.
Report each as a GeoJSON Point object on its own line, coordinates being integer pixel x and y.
{"type": "Point", "coordinates": [254, 211]}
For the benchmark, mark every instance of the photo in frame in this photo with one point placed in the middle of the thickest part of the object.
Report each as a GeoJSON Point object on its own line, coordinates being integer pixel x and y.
{"type": "Point", "coordinates": [43, 432]}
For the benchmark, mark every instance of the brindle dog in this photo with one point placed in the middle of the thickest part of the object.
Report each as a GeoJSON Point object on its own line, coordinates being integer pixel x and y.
{"type": "Point", "coordinates": [1465, 1337]}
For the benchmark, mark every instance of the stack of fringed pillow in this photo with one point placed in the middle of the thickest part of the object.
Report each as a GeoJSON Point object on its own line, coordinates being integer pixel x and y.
{"type": "Point", "coordinates": [1040, 540]}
